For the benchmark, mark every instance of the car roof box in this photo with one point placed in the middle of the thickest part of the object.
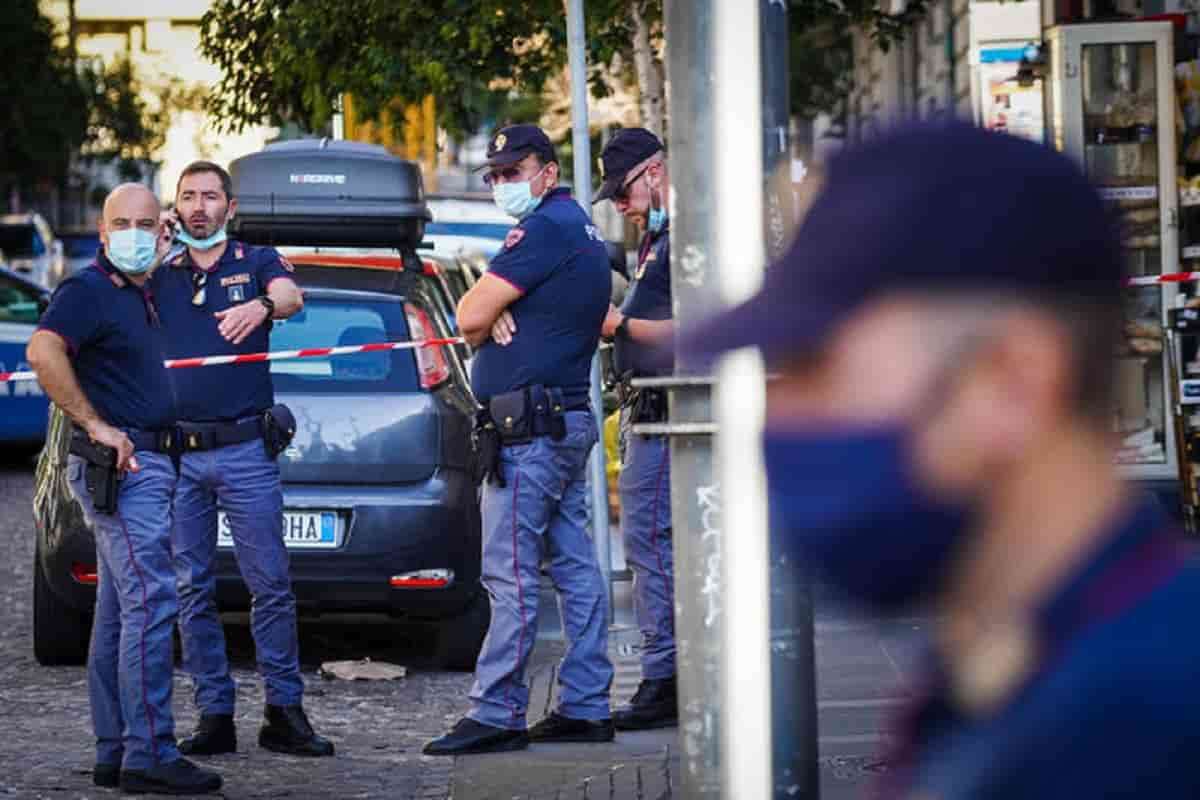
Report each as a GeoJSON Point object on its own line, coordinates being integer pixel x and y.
{"type": "Point", "coordinates": [328, 192]}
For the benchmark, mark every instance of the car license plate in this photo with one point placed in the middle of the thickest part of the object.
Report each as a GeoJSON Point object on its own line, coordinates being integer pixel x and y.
{"type": "Point", "coordinates": [302, 530]}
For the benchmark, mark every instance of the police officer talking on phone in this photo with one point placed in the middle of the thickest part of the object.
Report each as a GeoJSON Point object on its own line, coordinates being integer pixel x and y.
{"type": "Point", "coordinates": [219, 297]}
{"type": "Point", "coordinates": [98, 352]}
{"type": "Point", "coordinates": [939, 436]}
{"type": "Point", "coordinates": [634, 168]}
{"type": "Point", "coordinates": [535, 319]}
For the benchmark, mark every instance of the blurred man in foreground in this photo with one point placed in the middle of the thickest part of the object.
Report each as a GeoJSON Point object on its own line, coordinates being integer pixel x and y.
{"type": "Point", "coordinates": [939, 433]}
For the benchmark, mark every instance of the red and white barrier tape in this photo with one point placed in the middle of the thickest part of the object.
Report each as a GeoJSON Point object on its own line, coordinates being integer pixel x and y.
{"type": "Point", "coordinates": [1155, 280]}
{"type": "Point", "coordinates": [277, 355]}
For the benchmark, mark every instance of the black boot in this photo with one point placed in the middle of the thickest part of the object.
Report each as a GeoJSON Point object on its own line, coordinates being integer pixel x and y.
{"type": "Point", "coordinates": [175, 777]}
{"type": "Point", "coordinates": [107, 775]}
{"type": "Point", "coordinates": [215, 734]}
{"type": "Point", "coordinates": [557, 728]}
{"type": "Point", "coordinates": [469, 736]}
{"type": "Point", "coordinates": [654, 705]}
{"type": "Point", "coordinates": [286, 730]}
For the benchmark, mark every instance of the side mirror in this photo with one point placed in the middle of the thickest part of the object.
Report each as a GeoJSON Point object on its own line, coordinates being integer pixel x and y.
{"type": "Point", "coordinates": [616, 258]}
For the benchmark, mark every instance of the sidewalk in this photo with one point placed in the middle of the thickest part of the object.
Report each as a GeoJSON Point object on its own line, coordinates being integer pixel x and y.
{"type": "Point", "coordinates": [861, 673]}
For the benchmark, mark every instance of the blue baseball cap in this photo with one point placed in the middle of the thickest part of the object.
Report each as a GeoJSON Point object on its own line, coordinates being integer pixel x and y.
{"type": "Point", "coordinates": [933, 207]}
{"type": "Point", "coordinates": [628, 148]}
{"type": "Point", "coordinates": [513, 143]}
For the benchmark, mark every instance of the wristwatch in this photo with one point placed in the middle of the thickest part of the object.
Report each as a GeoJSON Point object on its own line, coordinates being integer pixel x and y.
{"type": "Point", "coordinates": [268, 304]}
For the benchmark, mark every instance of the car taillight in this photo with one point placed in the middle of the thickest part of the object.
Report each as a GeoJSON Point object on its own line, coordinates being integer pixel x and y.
{"type": "Point", "coordinates": [431, 361]}
{"type": "Point", "coordinates": [84, 573]}
{"type": "Point", "coordinates": [423, 579]}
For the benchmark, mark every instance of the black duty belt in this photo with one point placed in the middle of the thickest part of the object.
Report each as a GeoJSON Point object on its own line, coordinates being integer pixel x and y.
{"type": "Point", "coordinates": [153, 441]}
{"type": "Point", "coordinates": [196, 436]}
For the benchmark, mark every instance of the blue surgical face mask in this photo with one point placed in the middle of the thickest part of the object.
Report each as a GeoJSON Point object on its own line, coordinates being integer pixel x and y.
{"type": "Point", "coordinates": [849, 503]}
{"type": "Point", "coordinates": [132, 250]}
{"type": "Point", "coordinates": [207, 243]}
{"type": "Point", "coordinates": [516, 199]}
{"type": "Point", "coordinates": [656, 220]}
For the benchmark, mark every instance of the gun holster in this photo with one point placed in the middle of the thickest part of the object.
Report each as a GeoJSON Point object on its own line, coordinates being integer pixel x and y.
{"type": "Point", "coordinates": [100, 475]}
{"type": "Point", "coordinates": [486, 439]}
{"type": "Point", "coordinates": [278, 429]}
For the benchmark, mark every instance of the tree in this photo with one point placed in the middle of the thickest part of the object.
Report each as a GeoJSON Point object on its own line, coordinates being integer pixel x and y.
{"type": "Point", "coordinates": [44, 105]}
{"type": "Point", "coordinates": [292, 60]}
{"type": "Point", "coordinates": [57, 110]}
{"type": "Point", "coordinates": [821, 54]}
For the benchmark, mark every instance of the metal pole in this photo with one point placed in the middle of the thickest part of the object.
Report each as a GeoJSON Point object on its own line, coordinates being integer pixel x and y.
{"type": "Point", "coordinates": [696, 503]}
{"type": "Point", "coordinates": [583, 193]}
{"type": "Point", "coordinates": [793, 669]}
{"type": "Point", "coordinates": [740, 398]}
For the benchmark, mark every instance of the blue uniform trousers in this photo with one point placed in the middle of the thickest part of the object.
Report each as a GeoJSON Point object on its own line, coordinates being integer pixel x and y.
{"type": "Point", "coordinates": [131, 658]}
{"type": "Point", "coordinates": [542, 514]}
{"type": "Point", "coordinates": [244, 482]}
{"type": "Point", "coordinates": [645, 489]}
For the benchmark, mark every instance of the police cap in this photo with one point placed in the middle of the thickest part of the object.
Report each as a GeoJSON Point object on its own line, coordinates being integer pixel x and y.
{"type": "Point", "coordinates": [513, 143]}
{"type": "Point", "coordinates": [628, 148]}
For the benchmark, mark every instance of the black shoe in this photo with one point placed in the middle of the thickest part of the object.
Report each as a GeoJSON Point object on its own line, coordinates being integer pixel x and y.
{"type": "Point", "coordinates": [654, 705]}
{"type": "Point", "coordinates": [175, 777]}
{"type": "Point", "coordinates": [286, 730]}
{"type": "Point", "coordinates": [107, 775]}
{"type": "Point", "coordinates": [215, 734]}
{"type": "Point", "coordinates": [469, 736]}
{"type": "Point", "coordinates": [557, 728]}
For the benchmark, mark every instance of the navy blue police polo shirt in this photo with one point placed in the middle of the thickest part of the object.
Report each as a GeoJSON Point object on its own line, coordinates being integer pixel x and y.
{"type": "Point", "coordinates": [228, 391]}
{"type": "Point", "coordinates": [556, 258]}
{"type": "Point", "coordinates": [117, 346]}
{"type": "Point", "coordinates": [648, 297]}
{"type": "Point", "coordinates": [1109, 706]}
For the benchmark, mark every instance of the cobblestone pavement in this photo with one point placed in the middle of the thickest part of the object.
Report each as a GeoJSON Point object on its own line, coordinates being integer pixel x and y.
{"type": "Point", "coordinates": [379, 728]}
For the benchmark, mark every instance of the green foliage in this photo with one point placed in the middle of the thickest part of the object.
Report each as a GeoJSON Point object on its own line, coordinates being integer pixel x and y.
{"type": "Point", "coordinates": [291, 60]}
{"type": "Point", "coordinates": [122, 126]}
{"type": "Point", "coordinates": [821, 50]}
{"type": "Point", "coordinates": [43, 108]}
{"type": "Point", "coordinates": [53, 111]}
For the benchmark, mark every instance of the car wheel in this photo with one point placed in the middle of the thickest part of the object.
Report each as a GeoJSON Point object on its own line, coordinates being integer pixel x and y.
{"type": "Point", "coordinates": [60, 633]}
{"type": "Point", "coordinates": [459, 638]}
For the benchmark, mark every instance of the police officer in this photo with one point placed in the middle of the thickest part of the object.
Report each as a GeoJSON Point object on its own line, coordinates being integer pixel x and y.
{"type": "Point", "coordinates": [535, 318]}
{"type": "Point", "coordinates": [940, 432]}
{"type": "Point", "coordinates": [634, 169]}
{"type": "Point", "coordinates": [98, 352]}
{"type": "Point", "coordinates": [219, 297]}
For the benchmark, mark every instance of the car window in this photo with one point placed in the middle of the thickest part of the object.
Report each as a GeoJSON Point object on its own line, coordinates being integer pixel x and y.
{"type": "Point", "coordinates": [326, 322]}
{"type": "Point", "coordinates": [17, 303]}
{"type": "Point", "coordinates": [21, 241]}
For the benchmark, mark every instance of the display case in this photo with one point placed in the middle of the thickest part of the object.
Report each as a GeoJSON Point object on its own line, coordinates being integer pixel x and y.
{"type": "Point", "coordinates": [1110, 103]}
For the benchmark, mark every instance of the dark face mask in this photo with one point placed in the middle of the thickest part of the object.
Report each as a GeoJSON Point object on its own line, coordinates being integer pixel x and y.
{"type": "Point", "coordinates": [848, 503]}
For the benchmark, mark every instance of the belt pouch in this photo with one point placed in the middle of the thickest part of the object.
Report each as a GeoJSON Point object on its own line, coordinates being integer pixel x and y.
{"type": "Point", "coordinates": [512, 413]}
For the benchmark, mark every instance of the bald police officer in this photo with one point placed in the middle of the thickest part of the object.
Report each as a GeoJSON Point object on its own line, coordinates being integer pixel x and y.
{"type": "Point", "coordinates": [940, 432]}
{"type": "Point", "coordinates": [634, 168]}
{"type": "Point", "coordinates": [219, 297]}
{"type": "Point", "coordinates": [535, 317]}
{"type": "Point", "coordinates": [98, 352]}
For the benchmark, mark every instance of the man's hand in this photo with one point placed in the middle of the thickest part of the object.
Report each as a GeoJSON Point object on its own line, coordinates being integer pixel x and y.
{"type": "Point", "coordinates": [101, 432]}
{"type": "Point", "coordinates": [609, 329]}
{"type": "Point", "coordinates": [240, 321]}
{"type": "Point", "coordinates": [504, 329]}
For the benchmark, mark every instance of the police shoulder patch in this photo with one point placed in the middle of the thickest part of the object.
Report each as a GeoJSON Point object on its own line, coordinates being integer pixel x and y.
{"type": "Point", "coordinates": [514, 238]}
{"type": "Point", "coordinates": [287, 265]}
